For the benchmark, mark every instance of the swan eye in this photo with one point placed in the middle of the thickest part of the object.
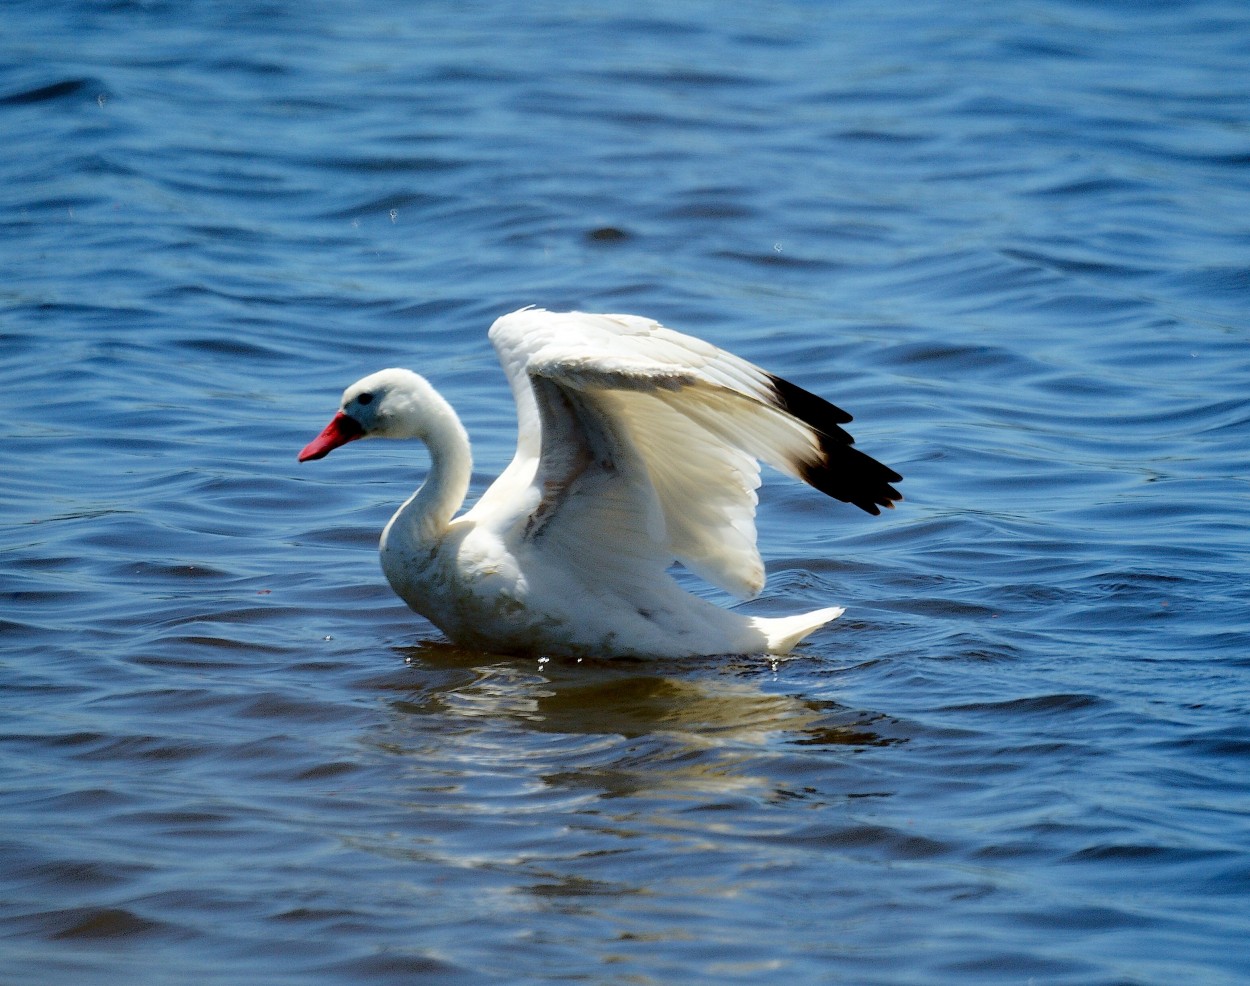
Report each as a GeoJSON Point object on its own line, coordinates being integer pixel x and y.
{"type": "Point", "coordinates": [365, 399]}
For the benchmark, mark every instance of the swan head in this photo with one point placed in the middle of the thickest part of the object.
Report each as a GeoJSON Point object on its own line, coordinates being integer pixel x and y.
{"type": "Point", "coordinates": [387, 404]}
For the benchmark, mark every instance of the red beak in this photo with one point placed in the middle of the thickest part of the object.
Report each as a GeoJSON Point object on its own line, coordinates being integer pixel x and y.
{"type": "Point", "coordinates": [339, 431]}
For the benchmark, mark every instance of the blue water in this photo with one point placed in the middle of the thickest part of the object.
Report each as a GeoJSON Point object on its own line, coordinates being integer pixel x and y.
{"type": "Point", "coordinates": [1012, 239]}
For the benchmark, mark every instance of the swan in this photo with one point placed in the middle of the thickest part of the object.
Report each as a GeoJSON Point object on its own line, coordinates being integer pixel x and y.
{"type": "Point", "coordinates": [637, 446]}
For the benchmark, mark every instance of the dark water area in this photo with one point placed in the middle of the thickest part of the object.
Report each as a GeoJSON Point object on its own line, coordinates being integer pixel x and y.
{"type": "Point", "coordinates": [1012, 239]}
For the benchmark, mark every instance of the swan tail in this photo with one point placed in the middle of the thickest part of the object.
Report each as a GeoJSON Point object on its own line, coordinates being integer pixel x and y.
{"type": "Point", "coordinates": [784, 633]}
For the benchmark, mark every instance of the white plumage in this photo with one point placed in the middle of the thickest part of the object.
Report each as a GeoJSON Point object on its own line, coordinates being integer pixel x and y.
{"type": "Point", "coordinates": [637, 447]}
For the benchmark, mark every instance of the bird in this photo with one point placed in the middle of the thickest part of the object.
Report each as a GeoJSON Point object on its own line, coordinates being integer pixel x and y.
{"type": "Point", "coordinates": [638, 447]}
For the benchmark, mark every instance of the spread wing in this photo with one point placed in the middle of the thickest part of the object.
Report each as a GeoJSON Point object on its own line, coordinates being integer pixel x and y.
{"type": "Point", "coordinates": [638, 441]}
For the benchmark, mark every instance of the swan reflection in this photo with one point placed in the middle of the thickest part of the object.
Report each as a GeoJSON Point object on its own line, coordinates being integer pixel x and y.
{"type": "Point", "coordinates": [622, 727]}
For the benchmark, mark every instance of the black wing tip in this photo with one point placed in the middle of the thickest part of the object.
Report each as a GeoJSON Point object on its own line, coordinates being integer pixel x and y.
{"type": "Point", "coordinates": [842, 472]}
{"type": "Point", "coordinates": [810, 408]}
{"type": "Point", "coordinates": [885, 496]}
{"type": "Point", "coordinates": [868, 493]}
{"type": "Point", "coordinates": [847, 474]}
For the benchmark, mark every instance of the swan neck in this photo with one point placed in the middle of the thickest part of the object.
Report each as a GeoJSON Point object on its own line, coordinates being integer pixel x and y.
{"type": "Point", "coordinates": [427, 513]}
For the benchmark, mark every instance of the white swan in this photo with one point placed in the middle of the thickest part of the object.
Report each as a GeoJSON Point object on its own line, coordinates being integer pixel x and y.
{"type": "Point", "coordinates": [637, 447]}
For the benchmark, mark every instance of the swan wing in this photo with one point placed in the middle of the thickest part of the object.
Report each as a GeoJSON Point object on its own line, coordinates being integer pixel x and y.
{"type": "Point", "coordinates": [644, 443]}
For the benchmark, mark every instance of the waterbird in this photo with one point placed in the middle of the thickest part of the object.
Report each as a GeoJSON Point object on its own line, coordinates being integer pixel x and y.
{"type": "Point", "coordinates": [638, 447]}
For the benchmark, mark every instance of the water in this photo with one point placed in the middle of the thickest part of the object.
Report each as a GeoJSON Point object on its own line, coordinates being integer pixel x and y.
{"type": "Point", "coordinates": [1012, 239]}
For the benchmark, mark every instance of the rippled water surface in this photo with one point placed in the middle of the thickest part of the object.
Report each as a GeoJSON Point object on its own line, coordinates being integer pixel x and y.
{"type": "Point", "coordinates": [1013, 239]}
